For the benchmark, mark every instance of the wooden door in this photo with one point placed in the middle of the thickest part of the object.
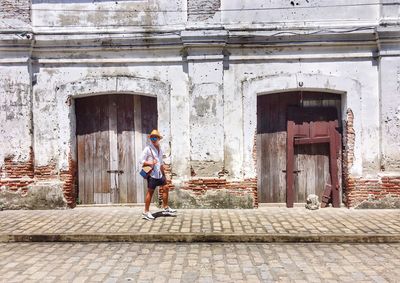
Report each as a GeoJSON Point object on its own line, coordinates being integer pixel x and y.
{"type": "Point", "coordinates": [311, 161]}
{"type": "Point", "coordinates": [311, 164]}
{"type": "Point", "coordinates": [110, 138]}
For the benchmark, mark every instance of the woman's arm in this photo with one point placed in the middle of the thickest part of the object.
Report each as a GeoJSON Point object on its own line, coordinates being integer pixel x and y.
{"type": "Point", "coordinates": [150, 163]}
{"type": "Point", "coordinates": [145, 156]}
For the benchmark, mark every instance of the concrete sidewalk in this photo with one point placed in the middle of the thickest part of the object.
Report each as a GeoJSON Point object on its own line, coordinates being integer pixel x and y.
{"type": "Point", "coordinates": [272, 224]}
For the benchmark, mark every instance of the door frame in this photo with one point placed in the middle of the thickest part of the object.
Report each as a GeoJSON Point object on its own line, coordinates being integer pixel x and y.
{"type": "Point", "coordinates": [348, 87]}
{"type": "Point", "coordinates": [275, 191]}
{"type": "Point", "coordinates": [92, 86]}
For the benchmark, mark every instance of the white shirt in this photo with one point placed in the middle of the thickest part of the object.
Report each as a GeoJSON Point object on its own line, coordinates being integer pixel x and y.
{"type": "Point", "coordinates": [147, 155]}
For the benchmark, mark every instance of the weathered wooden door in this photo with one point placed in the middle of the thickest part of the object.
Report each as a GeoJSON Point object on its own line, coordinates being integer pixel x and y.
{"type": "Point", "coordinates": [111, 133]}
{"type": "Point", "coordinates": [311, 161]}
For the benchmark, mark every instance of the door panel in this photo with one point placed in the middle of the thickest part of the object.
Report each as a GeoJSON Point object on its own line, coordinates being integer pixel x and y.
{"type": "Point", "coordinates": [271, 145]}
{"type": "Point", "coordinates": [312, 167]}
{"type": "Point", "coordinates": [311, 160]}
{"type": "Point", "coordinates": [111, 133]}
{"type": "Point", "coordinates": [126, 148]}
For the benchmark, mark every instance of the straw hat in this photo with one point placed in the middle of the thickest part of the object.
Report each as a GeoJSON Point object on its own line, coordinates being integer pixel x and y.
{"type": "Point", "coordinates": [155, 133]}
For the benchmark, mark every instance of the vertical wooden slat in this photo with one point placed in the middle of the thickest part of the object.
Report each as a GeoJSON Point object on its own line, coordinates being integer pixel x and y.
{"type": "Point", "coordinates": [89, 154]}
{"type": "Point", "coordinates": [80, 112]}
{"type": "Point", "coordinates": [81, 168]}
{"type": "Point", "coordinates": [260, 191]}
{"type": "Point", "coordinates": [333, 165]}
{"type": "Point", "coordinates": [289, 165]}
{"type": "Point", "coordinates": [281, 166]}
{"type": "Point", "coordinates": [95, 117]}
{"type": "Point", "coordinates": [123, 146]}
{"type": "Point", "coordinates": [112, 124]}
{"type": "Point", "coordinates": [104, 150]}
{"type": "Point", "coordinates": [267, 184]}
{"type": "Point", "coordinates": [138, 148]}
{"type": "Point", "coordinates": [272, 156]}
{"type": "Point", "coordinates": [126, 148]}
{"type": "Point", "coordinates": [130, 157]}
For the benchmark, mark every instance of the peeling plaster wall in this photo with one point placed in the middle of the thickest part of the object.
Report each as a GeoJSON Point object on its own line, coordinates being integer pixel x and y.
{"type": "Point", "coordinates": [390, 113]}
{"type": "Point", "coordinates": [53, 144]}
{"type": "Point", "coordinates": [206, 61]}
{"type": "Point", "coordinates": [15, 113]}
{"type": "Point", "coordinates": [206, 117]}
{"type": "Point", "coordinates": [123, 14]}
{"type": "Point", "coordinates": [300, 13]}
{"type": "Point", "coordinates": [358, 80]}
{"type": "Point", "coordinates": [15, 14]}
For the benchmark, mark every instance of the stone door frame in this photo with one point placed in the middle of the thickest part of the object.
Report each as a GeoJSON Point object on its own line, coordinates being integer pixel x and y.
{"type": "Point", "coordinates": [348, 88]}
{"type": "Point", "coordinates": [67, 93]}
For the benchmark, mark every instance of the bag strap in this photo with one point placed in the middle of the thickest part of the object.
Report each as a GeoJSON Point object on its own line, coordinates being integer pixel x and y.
{"type": "Point", "coordinates": [151, 151]}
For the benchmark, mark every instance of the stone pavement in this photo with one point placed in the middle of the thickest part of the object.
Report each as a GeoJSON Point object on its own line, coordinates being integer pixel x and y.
{"type": "Point", "coordinates": [198, 262]}
{"type": "Point", "coordinates": [272, 224]}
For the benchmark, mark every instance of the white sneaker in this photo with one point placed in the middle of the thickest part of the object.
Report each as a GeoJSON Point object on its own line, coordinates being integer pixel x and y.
{"type": "Point", "coordinates": [168, 210]}
{"type": "Point", "coordinates": [147, 216]}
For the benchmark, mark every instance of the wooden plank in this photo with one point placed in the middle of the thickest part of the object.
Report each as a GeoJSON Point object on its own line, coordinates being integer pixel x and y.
{"type": "Point", "coordinates": [333, 166]}
{"type": "Point", "coordinates": [274, 166]}
{"type": "Point", "coordinates": [81, 168]}
{"type": "Point", "coordinates": [123, 146]}
{"type": "Point", "coordinates": [289, 165]}
{"type": "Point", "coordinates": [130, 152]}
{"type": "Point", "coordinates": [281, 165]}
{"type": "Point", "coordinates": [79, 111]}
{"type": "Point", "coordinates": [89, 156]}
{"type": "Point", "coordinates": [112, 124]}
{"type": "Point", "coordinates": [269, 161]}
{"type": "Point", "coordinates": [139, 181]}
{"type": "Point", "coordinates": [97, 186]}
{"type": "Point", "coordinates": [104, 150]}
{"type": "Point", "coordinates": [260, 190]}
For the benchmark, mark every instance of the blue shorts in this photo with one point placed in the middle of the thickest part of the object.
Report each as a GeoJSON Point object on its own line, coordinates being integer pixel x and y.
{"type": "Point", "coordinates": [152, 183]}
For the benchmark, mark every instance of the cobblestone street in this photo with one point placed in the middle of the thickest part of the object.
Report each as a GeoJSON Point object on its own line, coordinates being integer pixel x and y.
{"type": "Point", "coordinates": [108, 220]}
{"type": "Point", "coordinates": [123, 262]}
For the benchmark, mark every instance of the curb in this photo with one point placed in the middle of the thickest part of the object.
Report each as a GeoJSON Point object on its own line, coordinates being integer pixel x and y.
{"type": "Point", "coordinates": [204, 238]}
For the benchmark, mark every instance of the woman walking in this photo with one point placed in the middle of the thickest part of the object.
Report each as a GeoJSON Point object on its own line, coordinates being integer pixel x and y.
{"type": "Point", "coordinates": [153, 156]}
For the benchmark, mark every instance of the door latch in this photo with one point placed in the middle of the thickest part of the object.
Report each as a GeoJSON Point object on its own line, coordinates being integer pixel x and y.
{"type": "Point", "coordinates": [295, 171]}
{"type": "Point", "coordinates": [115, 171]}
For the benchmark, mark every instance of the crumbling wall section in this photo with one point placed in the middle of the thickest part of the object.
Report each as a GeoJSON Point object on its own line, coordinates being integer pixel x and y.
{"type": "Point", "coordinates": [215, 193]}
{"type": "Point", "coordinates": [14, 12]}
{"type": "Point", "coordinates": [202, 10]}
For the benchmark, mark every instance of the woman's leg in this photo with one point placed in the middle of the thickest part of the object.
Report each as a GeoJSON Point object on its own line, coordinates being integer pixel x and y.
{"type": "Point", "coordinates": [149, 195]}
{"type": "Point", "coordinates": [165, 190]}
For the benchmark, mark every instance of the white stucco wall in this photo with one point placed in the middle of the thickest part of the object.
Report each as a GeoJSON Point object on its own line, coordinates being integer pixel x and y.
{"type": "Point", "coordinates": [15, 112]}
{"type": "Point", "coordinates": [357, 81]}
{"type": "Point", "coordinates": [125, 14]}
{"type": "Point", "coordinates": [390, 112]}
{"type": "Point", "coordinates": [55, 83]}
{"type": "Point", "coordinates": [206, 70]}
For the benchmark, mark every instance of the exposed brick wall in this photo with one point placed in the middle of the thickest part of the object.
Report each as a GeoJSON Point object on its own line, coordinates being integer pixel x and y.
{"type": "Point", "coordinates": [16, 9]}
{"type": "Point", "coordinates": [46, 172]}
{"type": "Point", "coordinates": [69, 179]}
{"type": "Point", "coordinates": [201, 10]}
{"type": "Point", "coordinates": [18, 176]}
{"type": "Point", "coordinates": [12, 169]}
{"type": "Point", "coordinates": [201, 185]}
{"type": "Point", "coordinates": [379, 188]}
{"type": "Point", "coordinates": [360, 189]}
